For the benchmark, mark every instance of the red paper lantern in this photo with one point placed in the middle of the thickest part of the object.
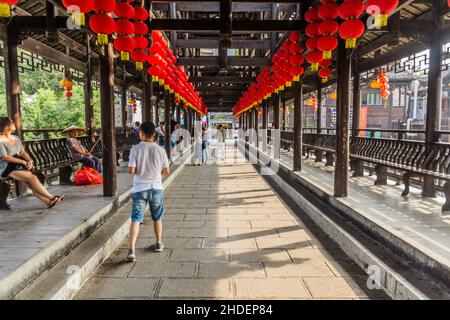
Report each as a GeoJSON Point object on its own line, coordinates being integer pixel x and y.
{"type": "Point", "coordinates": [448, 3]}
{"type": "Point", "coordinates": [139, 56]}
{"type": "Point", "coordinates": [311, 30]}
{"type": "Point", "coordinates": [381, 10]}
{"type": "Point", "coordinates": [78, 9]}
{"type": "Point", "coordinates": [295, 48]}
{"type": "Point", "coordinates": [294, 37]}
{"type": "Point", "coordinates": [311, 44]}
{"type": "Point", "coordinates": [350, 30]}
{"type": "Point", "coordinates": [103, 25]}
{"type": "Point", "coordinates": [328, 27]}
{"type": "Point", "coordinates": [141, 42]}
{"type": "Point", "coordinates": [296, 59]}
{"type": "Point", "coordinates": [296, 71]}
{"type": "Point", "coordinates": [140, 28]}
{"type": "Point", "coordinates": [140, 14]}
{"type": "Point", "coordinates": [327, 44]}
{"type": "Point", "coordinates": [325, 73]}
{"type": "Point", "coordinates": [313, 58]}
{"type": "Point", "coordinates": [328, 11]}
{"type": "Point", "coordinates": [124, 27]}
{"type": "Point", "coordinates": [68, 94]}
{"type": "Point", "coordinates": [124, 10]}
{"type": "Point", "coordinates": [124, 44]}
{"type": "Point", "coordinates": [312, 15]}
{"type": "Point", "coordinates": [104, 6]}
{"type": "Point", "coordinates": [326, 63]}
{"type": "Point", "coordinates": [351, 9]}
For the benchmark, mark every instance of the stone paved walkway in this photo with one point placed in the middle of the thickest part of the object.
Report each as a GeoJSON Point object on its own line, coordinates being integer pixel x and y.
{"type": "Point", "coordinates": [228, 235]}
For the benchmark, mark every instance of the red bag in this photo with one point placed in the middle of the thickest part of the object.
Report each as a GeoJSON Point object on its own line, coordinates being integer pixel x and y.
{"type": "Point", "coordinates": [87, 176]}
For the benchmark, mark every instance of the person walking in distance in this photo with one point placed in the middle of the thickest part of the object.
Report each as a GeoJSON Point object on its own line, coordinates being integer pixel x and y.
{"type": "Point", "coordinates": [161, 134]}
{"type": "Point", "coordinates": [148, 163]}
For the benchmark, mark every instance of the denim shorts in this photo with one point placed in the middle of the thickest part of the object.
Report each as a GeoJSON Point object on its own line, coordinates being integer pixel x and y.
{"type": "Point", "coordinates": [154, 199]}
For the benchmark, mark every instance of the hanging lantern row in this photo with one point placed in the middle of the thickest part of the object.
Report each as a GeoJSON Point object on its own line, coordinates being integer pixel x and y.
{"type": "Point", "coordinates": [173, 78]}
{"type": "Point", "coordinates": [382, 83]}
{"type": "Point", "coordinates": [287, 67]}
{"type": "Point", "coordinates": [67, 85]}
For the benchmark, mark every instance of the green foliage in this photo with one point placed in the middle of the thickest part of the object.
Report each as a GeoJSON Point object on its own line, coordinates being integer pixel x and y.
{"type": "Point", "coordinates": [44, 105]}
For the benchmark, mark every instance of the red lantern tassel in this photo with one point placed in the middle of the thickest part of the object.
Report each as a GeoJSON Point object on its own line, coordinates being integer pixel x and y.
{"type": "Point", "coordinates": [350, 43]}
{"type": "Point", "coordinates": [314, 67]}
{"type": "Point", "coordinates": [124, 56]}
{"type": "Point", "coordinates": [324, 79]}
{"type": "Point", "coordinates": [5, 10]}
{"type": "Point", "coordinates": [139, 66]}
{"type": "Point", "coordinates": [327, 55]}
{"type": "Point", "coordinates": [102, 39]}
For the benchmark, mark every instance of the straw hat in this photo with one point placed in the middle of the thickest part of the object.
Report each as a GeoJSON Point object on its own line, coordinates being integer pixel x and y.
{"type": "Point", "coordinates": [73, 128]}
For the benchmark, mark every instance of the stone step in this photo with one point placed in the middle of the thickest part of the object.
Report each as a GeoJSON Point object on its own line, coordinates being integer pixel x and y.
{"type": "Point", "coordinates": [65, 278]}
{"type": "Point", "coordinates": [379, 262]}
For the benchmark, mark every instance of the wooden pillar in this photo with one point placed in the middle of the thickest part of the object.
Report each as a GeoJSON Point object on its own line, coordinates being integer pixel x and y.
{"type": "Point", "coordinates": [107, 116]}
{"type": "Point", "coordinates": [319, 106]}
{"type": "Point", "coordinates": [265, 120]}
{"type": "Point", "coordinates": [283, 116]}
{"type": "Point", "coordinates": [275, 137]}
{"type": "Point", "coordinates": [356, 98]}
{"type": "Point", "coordinates": [298, 130]}
{"type": "Point", "coordinates": [88, 94]}
{"type": "Point", "coordinates": [12, 82]}
{"type": "Point", "coordinates": [256, 126]}
{"type": "Point", "coordinates": [147, 108]}
{"type": "Point", "coordinates": [124, 101]}
{"type": "Point", "coordinates": [434, 94]}
{"type": "Point", "coordinates": [167, 119]}
{"type": "Point", "coordinates": [342, 122]}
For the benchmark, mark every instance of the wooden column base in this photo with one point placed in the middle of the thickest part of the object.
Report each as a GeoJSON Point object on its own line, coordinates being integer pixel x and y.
{"type": "Point", "coordinates": [358, 168]}
{"type": "Point", "coordinates": [329, 156]}
{"type": "Point", "coordinates": [319, 156]}
{"type": "Point", "coordinates": [65, 174]}
{"type": "Point", "coordinates": [381, 172]}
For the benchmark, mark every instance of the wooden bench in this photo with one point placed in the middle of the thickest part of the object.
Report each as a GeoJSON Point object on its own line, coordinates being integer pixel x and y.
{"type": "Point", "coordinates": [403, 160]}
{"type": "Point", "coordinates": [52, 161]}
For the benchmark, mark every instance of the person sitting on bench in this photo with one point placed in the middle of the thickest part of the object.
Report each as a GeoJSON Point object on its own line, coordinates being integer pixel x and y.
{"type": "Point", "coordinates": [16, 164]}
{"type": "Point", "coordinates": [78, 151]}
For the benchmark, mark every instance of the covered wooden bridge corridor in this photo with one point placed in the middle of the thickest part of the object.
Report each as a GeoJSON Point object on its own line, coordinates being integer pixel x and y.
{"type": "Point", "coordinates": [334, 179]}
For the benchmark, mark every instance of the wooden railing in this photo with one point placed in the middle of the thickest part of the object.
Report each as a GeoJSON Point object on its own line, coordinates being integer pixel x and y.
{"type": "Point", "coordinates": [410, 161]}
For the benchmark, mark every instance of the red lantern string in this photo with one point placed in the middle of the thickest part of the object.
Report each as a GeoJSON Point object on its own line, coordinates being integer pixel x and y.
{"type": "Point", "coordinates": [352, 28]}
{"type": "Point", "coordinates": [101, 22]}
{"type": "Point", "coordinates": [124, 43]}
{"type": "Point", "coordinates": [381, 10]}
{"type": "Point", "coordinates": [78, 9]}
{"type": "Point", "coordinates": [312, 32]}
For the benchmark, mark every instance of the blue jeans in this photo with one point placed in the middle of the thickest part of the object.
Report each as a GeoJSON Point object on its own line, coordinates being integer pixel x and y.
{"type": "Point", "coordinates": [92, 162]}
{"type": "Point", "coordinates": [154, 198]}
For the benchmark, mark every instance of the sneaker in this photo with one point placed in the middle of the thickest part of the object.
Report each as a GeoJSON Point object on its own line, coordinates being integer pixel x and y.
{"type": "Point", "coordinates": [159, 247]}
{"type": "Point", "coordinates": [131, 257]}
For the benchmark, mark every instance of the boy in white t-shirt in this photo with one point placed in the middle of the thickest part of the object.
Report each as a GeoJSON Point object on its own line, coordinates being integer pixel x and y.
{"type": "Point", "coordinates": [148, 162]}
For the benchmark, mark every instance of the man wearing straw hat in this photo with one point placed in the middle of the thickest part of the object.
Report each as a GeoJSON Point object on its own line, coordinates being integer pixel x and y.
{"type": "Point", "coordinates": [78, 151]}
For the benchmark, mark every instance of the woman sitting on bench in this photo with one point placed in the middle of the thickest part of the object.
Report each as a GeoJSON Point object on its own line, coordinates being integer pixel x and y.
{"type": "Point", "coordinates": [16, 164]}
{"type": "Point", "coordinates": [78, 151]}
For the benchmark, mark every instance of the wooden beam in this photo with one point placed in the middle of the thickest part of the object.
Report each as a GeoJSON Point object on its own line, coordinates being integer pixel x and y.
{"type": "Point", "coordinates": [202, 6]}
{"type": "Point", "coordinates": [88, 92]}
{"type": "Point", "coordinates": [221, 80]}
{"type": "Point", "coordinates": [108, 126]}
{"type": "Point", "coordinates": [12, 82]}
{"type": "Point", "coordinates": [214, 61]}
{"type": "Point", "coordinates": [342, 123]}
{"type": "Point", "coordinates": [167, 122]}
{"type": "Point", "coordinates": [52, 55]}
{"type": "Point", "coordinates": [210, 25]}
{"type": "Point", "coordinates": [298, 130]}
{"type": "Point", "coordinates": [214, 44]}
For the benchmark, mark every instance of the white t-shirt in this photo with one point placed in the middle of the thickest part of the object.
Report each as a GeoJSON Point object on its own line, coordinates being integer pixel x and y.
{"type": "Point", "coordinates": [149, 159]}
{"type": "Point", "coordinates": [160, 132]}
